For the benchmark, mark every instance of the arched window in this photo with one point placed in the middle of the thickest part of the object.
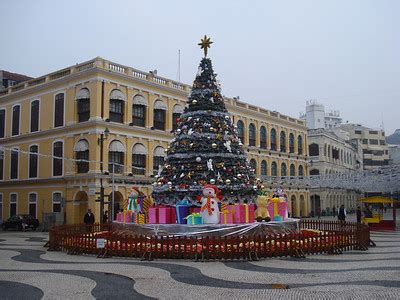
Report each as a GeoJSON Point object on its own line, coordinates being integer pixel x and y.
{"type": "Point", "coordinates": [1, 164]}
{"type": "Point", "coordinates": [34, 115]}
{"type": "Point", "coordinates": [116, 152]}
{"type": "Point", "coordinates": [81, 150]}
{"type": "Point", "coordinates": [283, 169]}
{"type": "Point", "coordinates": [59, 110]}
{"type": "Point", "coordinates": [292, 170]}
{"type": "Point", "coordinates": [139, 154]}
{"type": "Point", "coordinates": [14, 163]}
{"type": "Point", "coordinates": [57, 158]}
{"type": "Point", "coordinates": [117, 99]}
{"type": "Point", "coordinates": [16, 115]}
{"type": "Point", "coordinates": [313, 150]}
{"type": "Point", "coordinates": [2, 122]}
{"type": "Point", "coordinates": [158, 158]}
{"type": "Point", "coordinates": [33, 161]}
{"type": "Point", "coordinates": [240, 130]}
{"type": "Point", "coordinates": [253, 165]}
{"type": "Point", "coordinates": [252, 135]}
{"type": "Point", "coordinates": [291, 143]}
{"type": "Point", "coordinates": [263, 168]}
{"type": "Point", "coordinates": [273, 139]}
{"type": "Point", "coordinates": [300, 144]}
{"type": "Point", "coordinates": [176, 114]}
{"type": "Point", "coordinates": [274, 169]}
{"type": "Point", "coordinates": [139, 111]}
{"type": "Point", "coordinates": [263, 138]}
{"type": "Point", "coordinates": [301, 170]}
{"type": "Point", "coordinates": [160, 109]}
{"type": "Point", "coordinates": [314, 172]}
{"type": "Point", "coordinates": [83, 101]}
{"type": "Point", "coordinates": [283, 141]}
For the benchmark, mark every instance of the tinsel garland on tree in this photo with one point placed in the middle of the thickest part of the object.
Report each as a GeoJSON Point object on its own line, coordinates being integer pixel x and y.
{"type": "Point", "coordinates": [206, 149]}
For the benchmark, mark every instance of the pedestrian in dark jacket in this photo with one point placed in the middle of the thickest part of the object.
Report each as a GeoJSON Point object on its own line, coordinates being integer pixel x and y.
{"type": "Point", "coordinates": [89, 217]}
{"type": "Point", "coordinates": [342, 214]}
{"type": "Point", "coordinates": [358, 212]}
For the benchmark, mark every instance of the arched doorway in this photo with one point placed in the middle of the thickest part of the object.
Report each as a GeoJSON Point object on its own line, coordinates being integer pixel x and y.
{"type": "Point", "coordinates": [81, 203]}
{"type": "Point", "coordinates": [119, 204]}
{"type": "Point", "coordinates": [293, 209]}
{"type": "Point", "coordinates": [315, 204]}
{"type": "Point", "coordinates": [303, 210]}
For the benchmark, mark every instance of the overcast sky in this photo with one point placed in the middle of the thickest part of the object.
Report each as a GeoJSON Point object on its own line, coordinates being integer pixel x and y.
{"type": "Point", "coordinates": [275, 54]}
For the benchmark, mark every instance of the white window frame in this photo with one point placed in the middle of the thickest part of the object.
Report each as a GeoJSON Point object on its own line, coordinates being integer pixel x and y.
{"type": "Point", "coordinates": [52, 200]}
{"type": "Point", "coordinates": [38, 163]}
{"type": "Point", "coordinates": [30, 114]}
{"type": "Point", "coordinates": [9, 203]}
{"type": "Point", "coordinates": [5, 121]}
{"type": "Point", "coordinates": [36, 202]}
{"type": "Point", "coordinates": [2, 206]}
{"type": "Point", "coordinates": [54, 107]}
{"type": "Point", "coordinates": [4, 165]}
{"type": "Point", "coordinates": [19, 119]}
{"type": "Point", "coordinates": [17, 149]}
{"type": "Point", "coordinates": [52, 159]}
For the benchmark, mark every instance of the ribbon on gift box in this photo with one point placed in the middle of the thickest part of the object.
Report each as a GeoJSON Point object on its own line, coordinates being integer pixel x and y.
{"type": "Point", "coordinates": [227, 217]}
{"type": "Point", "coordinates": [191, 218]}
{"type": "Point", "coordinates": [276, 201]}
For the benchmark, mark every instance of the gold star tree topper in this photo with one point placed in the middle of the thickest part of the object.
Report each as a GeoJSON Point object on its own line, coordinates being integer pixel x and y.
{"type": "Point", "coordinates": [205, 44]}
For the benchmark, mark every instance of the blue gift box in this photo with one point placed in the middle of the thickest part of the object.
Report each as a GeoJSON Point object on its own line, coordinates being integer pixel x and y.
{"type": "Point", "coordinates": [182, 211]}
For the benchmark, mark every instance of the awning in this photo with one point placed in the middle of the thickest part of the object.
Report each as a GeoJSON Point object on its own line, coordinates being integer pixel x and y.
{"type": "Point", "coordinates": [159, 151]}
{"type": "Point", "coordinates": [377, 199]}
{"type": "Point", "coordinates": [118, 95]}
{"type": "Point", "coordinates": [139, 100]}
{"type": "Point", "coordinates": [117, 146]}
{"type": "Point", "coordinates": [160, 105]}
{"type": "Point", "coordinates": [178, 109]}
{"type": "Point", "coordinates": [81, 145]}
{"type": "Point", "coordinates": [139, 149]}
{"type": "Point", "coordinates": [83, 94]}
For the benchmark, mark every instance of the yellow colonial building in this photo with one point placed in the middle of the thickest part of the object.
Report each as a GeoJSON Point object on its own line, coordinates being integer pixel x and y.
{"type": "Point", "coordinates": [62, 133]}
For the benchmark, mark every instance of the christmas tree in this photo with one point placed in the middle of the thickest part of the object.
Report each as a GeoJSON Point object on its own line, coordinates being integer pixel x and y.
{"type": "Point", "coordinates": [206, 148]}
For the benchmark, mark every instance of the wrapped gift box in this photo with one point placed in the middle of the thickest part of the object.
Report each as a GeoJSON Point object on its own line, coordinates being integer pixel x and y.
{"type": "Point", "coordinates": [194, 219]}
{"type": "Point", "coordinates": [226, 217]}
{"type": "Point", "coordinates": [277, 210]}
{"type": "Point", "coordinates": [182, 211]}
{"type": "Point", "coordinates": [139, 218]}
{"type": "Point", "coordinates": [244, 213]}
{"type": "Point", "coordinates": [153, 215]}
{"type": "Point", "coordinates": [166, 215]}
{"type": "Point", "coordinates": [283, 210]}
{"type": "Point", "coordinates": [120, 217]}
{"type": "Point", "coordinates": [128, 216]}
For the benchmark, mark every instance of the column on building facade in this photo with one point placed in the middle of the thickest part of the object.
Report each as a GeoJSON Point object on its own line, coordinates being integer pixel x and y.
{"type": "Point", "coordinates": [258, 127]}
{"type": "Point", "coordinates": [95, 88]}
{"type": "Point", "coordinates": [108, 87]}
{"type": "Point", "coordinates": [296, 143]}
{"type": "Point", "coordinates": [152, 99]}
{"type": "Point", "coordinates": [278, 138]}
{"type": "Point", "coordinates": [130, 93]}
{"type": "Point", "coordinates": [246, 131]}
{"type": "Point", "coordinates": [151, 145]}
{"type": "Point", "coordinates": [168, 114]}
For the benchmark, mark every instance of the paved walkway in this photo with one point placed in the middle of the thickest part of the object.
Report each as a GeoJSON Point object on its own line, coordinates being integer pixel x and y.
{"type": "Point", "coordinates": [27, 271]}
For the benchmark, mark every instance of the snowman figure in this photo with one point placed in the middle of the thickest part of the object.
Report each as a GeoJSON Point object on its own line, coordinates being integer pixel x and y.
{"type": "Point", "coordinates": [209, 205]}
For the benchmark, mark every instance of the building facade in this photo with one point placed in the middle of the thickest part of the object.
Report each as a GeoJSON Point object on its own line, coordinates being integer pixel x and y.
{"type": "Point", "coordinates": [373, 143]}
{"type": "Point", "coordinates": [66, 132]}
{"type": "Point", "coordinates": [330, 154]}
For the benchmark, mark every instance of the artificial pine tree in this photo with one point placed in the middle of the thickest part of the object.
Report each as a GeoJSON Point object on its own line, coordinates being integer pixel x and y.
{"type": "Point", "coordinates": [206, 148]}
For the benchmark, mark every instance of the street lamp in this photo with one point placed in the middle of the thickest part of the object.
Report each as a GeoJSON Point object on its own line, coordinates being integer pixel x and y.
{"type": "Point", "coordinates": [100, 141]}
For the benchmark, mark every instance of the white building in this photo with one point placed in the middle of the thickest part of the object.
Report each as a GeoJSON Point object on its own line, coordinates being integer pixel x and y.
{"type": "Point", "coordinates": [316, 117]}
{"type": "Point", "coordinates": [332, 154]}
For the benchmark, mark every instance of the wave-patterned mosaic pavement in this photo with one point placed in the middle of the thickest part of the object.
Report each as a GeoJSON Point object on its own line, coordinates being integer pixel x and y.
{"type": "Point", "coordinates": [27, 271]}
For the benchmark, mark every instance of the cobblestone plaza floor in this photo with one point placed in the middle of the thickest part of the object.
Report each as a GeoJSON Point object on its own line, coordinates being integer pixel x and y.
{"type": "Point", "coordinates": [27, 271]}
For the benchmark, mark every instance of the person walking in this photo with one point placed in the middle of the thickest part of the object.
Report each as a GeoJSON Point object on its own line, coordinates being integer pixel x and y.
{"type": "Point", "coordinates": [89, 218]}
{"type": "Point", "coordinates": [358, 212]}
{"type": "Point", "coordinates": [342, 215]}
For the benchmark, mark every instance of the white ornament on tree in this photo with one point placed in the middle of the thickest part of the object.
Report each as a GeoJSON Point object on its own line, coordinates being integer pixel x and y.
{"type": "Point", "coordinates": [190, 131]}
{"type": "Point", "coordinates": [210, 165]}
{"type": "Point", "coordinates": [227, 144]}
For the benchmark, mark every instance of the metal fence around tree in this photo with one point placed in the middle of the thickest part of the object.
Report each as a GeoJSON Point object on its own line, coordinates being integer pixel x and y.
{"type": "Point", "coordinates": [314, 237]}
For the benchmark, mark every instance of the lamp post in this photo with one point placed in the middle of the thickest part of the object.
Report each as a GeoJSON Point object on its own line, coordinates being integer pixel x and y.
{"type": "Point", "coordinates": [100, 141]}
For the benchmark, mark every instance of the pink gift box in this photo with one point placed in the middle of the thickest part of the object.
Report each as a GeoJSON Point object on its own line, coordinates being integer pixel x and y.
{"type": "Point", "coordinates": [283, 210]}
{"type": "Point", "coordinates": [226, 217]}
{"type": "Point", "coordinates": [166, 215]}
{"type": "Point", "coordinates": [270, 208]}
{"type": "Point", "coordinates": [120, 217]}
{"type": "Point", "coordinates": [128, 217]}
{"type": "Point", "coordinates": [153, 215]}
{"type": "Point", "coordinates": [244, 213]}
